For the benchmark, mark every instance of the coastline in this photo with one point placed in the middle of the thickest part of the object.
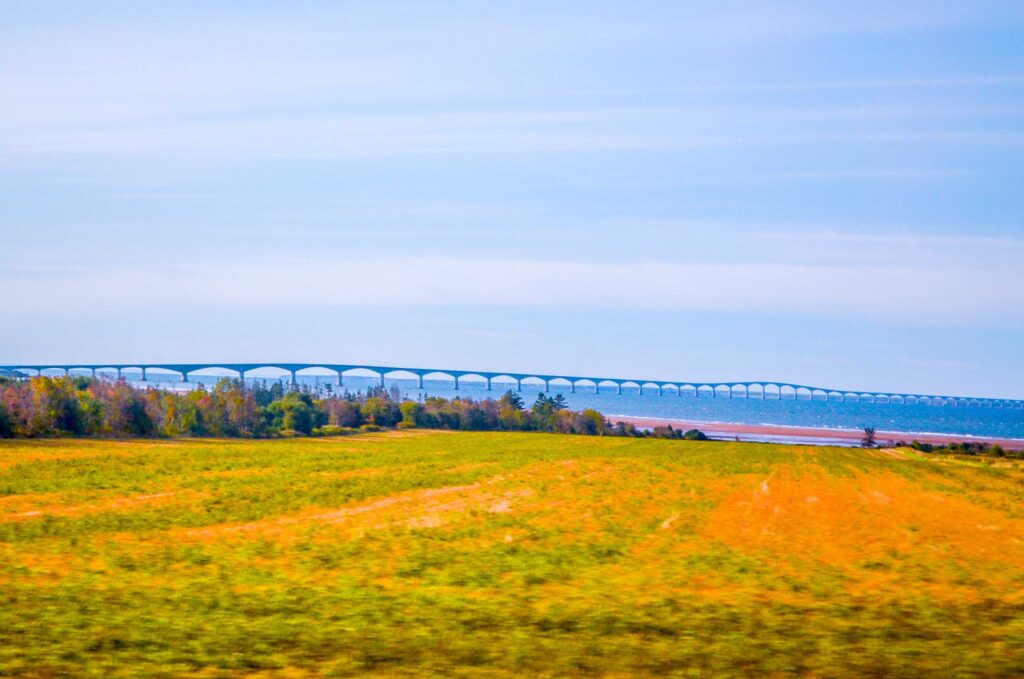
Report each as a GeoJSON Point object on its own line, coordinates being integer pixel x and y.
{"type": "Point", "coordinates": [772, 433]}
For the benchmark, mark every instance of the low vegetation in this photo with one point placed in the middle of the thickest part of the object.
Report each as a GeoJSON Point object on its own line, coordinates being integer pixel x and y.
{"type": "Point", "coordinates": [505, 554]}
{"type": "Point", "coordinates": [964, 448]}
{"type": "Point", "coordinates": [80, 406]}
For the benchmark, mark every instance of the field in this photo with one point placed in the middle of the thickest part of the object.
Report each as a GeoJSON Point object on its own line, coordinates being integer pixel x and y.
{"type": "Point", "coordinates": [505, 554]}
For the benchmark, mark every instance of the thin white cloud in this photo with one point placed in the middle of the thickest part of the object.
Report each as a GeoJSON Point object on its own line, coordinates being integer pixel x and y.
{"type": "Point", "coordinates": [899, 293]}
{"type": "Point", "coordinates": [908, 240]}
{"type": "Point", "coordinates": [891, 174]}
{"type": "Point", "coordinates": [502, 131]}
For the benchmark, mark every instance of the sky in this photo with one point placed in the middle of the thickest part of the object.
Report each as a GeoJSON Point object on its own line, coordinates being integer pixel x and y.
{"type": "Point", "coordinates": [825, 193]}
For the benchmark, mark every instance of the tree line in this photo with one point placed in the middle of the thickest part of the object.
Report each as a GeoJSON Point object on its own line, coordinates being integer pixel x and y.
{"type": "Point", "coordinates": [85, 406]}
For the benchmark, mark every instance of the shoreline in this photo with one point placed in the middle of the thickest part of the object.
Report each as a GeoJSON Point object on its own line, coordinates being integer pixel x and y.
{"type": "Point", "coordinates": [773, 433]}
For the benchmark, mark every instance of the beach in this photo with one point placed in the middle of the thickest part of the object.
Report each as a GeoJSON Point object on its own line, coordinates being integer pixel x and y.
{"type": "Point", "coordinates": [789, 434]}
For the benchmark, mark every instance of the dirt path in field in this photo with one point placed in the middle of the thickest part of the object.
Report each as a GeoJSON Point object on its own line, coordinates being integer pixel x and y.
{"type": "Point", "coordinates": [116, 504]}
{"type": "Point", "coordinates": [419, 509]}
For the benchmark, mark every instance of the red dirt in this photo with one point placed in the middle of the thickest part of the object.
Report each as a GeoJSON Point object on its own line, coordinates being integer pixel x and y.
{"type": "Point", "coordinates": [810, 434]}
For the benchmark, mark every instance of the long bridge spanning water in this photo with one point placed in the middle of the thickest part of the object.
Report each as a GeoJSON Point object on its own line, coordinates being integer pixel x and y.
{"type": "Point", "coordinates": [763, 389]}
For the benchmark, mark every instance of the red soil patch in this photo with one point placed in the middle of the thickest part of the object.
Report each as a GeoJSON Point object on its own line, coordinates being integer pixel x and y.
{"type": "Point", "coordinates": [729, 430]}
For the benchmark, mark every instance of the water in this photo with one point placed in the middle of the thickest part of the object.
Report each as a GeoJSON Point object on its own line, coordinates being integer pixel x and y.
{"type": "Point", "coordinates": [895, 417]}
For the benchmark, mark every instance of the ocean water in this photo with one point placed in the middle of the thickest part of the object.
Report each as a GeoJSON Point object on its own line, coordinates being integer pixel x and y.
{"type": "Point", "coordinates": [895, 417]}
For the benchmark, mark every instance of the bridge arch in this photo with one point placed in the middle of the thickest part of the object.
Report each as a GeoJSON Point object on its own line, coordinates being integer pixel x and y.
{"type": "Point", "coordinates": [687, 389]}
{"type": "Point", "coordinates": [363, 372]}
{"type": "Point", "coordinates": [648, 383]}
{"type": "Point", "coordinates": [504, 382]}
{"type": "Point", "coordinates": [586, 381]}
{"type": "Point", "coordinates": [475, 380]}
{"type": "Point", "coordinates": [218, 371]}
{"type": "Point", "coordinates": [394, 374]}
{"type": "Point", "coordinates": [560, 382]}
{"type": "Point", "coordinates": [158, 371]}
{"type": "Point", "coordinates": [733, 388]}
{"type": "Point", "coordinates": [434, 375]}
{"type": "Point", "coordinates": [717, 390]}
{"type": "Point", "coordinates": [315, 371]}
{"type": "Point", "coordinates": [630, 384]}
{"type": "Point", "coordinates": [532, 381]}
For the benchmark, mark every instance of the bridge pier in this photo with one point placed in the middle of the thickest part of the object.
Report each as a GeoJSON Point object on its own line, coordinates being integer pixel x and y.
{"type": "Point", "coordinates": [619, 387]}
{"type": "Point", "coordinates": [488, 384]}
{"type": "Point", "coordinates": [184, 375]}
{"type": "Point", "coordinates": [519, 384]}
{"type": "Point", "coordinates": [456, 383]}
{"type": "Point", "coordinates": [143, 375]}
{"type": "Point", "coordinates": [420, 382]}
{"type": "Point", "coordinates": [661, 390]}
{"type": "Point", "coordinates": [572, 387]}
{"type": "Point", "coordinates": [293, 382]}
{"type": "Point", "coordinates": [547, 386]}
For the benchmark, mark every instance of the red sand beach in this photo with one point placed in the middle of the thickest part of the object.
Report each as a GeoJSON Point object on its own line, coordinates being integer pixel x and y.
{"type": "Point", "coordinates": [809, 434]}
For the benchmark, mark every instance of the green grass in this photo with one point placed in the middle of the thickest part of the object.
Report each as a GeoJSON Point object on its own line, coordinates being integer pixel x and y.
{"type": "Point", "coordinates": [505, 554]}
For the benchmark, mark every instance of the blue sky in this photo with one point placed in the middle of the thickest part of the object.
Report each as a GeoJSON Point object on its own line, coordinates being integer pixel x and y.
{"type": "Point", "coordinates": [826, 193]}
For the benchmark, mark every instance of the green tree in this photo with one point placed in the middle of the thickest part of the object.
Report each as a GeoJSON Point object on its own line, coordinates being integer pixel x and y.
{"type": "Point", "coordinates": [412, 413]}
{"type": "Point", "coordinates": [511, 399]}
{"type": "Point", "coordinates": [591, 422]}
{"type": "Point", "coordinates": [6, 423]}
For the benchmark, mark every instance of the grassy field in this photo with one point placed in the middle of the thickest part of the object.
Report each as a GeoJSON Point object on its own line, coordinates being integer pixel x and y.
{"type": "Point", "coordinates": [505, 554]}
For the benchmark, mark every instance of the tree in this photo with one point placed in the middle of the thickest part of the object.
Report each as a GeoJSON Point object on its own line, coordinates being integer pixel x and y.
{"type": "Point", "coordinates": [591, 422]}
{"type": "Point", "coordinates": [868, 440]}
{"type": "Point", "coordinates": [294, 412]}
{"type": "Point", "coordinates": [6, 423]}
{"type": "Point", "coordinates": [511, 399]}
{"type": "Point", "coordinates": [412, 413]}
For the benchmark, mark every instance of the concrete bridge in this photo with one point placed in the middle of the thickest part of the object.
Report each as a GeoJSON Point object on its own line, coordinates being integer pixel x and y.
{"type": "Point", "coordinates": [763, 389]}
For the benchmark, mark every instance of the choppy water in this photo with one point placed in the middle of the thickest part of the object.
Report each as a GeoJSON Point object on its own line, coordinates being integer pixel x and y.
{"type": "Point", "coordinates": [911, 418]}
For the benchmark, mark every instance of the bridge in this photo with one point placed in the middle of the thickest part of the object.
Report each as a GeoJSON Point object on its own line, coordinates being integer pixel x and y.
{"type": "Point", "coordinates": [764, 389]}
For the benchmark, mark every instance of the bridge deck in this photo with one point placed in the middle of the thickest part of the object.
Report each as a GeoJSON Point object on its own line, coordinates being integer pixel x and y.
{"type": "Point", "coordinates": [747, 389]}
